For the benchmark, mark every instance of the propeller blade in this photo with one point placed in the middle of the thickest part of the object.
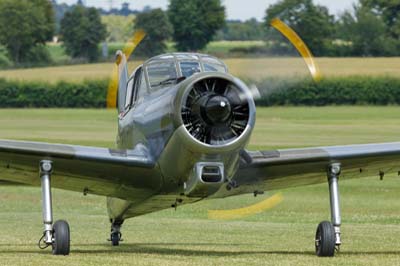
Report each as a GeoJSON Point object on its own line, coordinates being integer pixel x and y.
{"type": "Point", "coordinates": [246, 211]}
{"type": "Point", "coordinates": [254, 93]}
{"type": "Point", "coordinates": [112, 88]}
{"type": "Point", "coordinates": [300, 46]}
{"type": "Point", "coordinates": [131, 45]}
{"type": "Point", "coordinates": [120, 61]}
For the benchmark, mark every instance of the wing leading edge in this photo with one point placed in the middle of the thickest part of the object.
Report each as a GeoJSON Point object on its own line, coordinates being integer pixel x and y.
{"type": "Point", "coordinates": [126, 174]}
{"type": "Point", "coordinates": [268, 170]}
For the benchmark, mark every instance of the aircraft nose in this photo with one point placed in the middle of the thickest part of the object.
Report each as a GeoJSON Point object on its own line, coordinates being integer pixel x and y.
{"type": "Point", "coordinates": [217, 109]}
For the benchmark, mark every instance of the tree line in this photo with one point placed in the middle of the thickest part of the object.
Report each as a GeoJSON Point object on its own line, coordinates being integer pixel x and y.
{"type": "Point", "coordinates": [370, 28]}
{"type": "Point", "coordinates": [360, 90]}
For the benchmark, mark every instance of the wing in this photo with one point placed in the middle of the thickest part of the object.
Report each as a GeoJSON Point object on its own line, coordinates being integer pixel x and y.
{"type": "Point", "coordinates": [126, 174]}
{"type": "Point", "coordinates": [268, 170]}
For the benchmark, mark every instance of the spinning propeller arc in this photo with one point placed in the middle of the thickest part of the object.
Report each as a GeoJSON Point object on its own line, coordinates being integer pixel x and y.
{"type": "Point", "coordinates": [225, 101]}
{"type": "Point", "coordinates": [315, 72]}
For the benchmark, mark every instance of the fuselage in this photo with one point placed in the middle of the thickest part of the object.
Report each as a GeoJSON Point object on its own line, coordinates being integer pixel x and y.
{"type": "Point", "coordinates": [193, 126]}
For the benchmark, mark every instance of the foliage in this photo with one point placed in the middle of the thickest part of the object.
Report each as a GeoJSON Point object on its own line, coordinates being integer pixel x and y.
{"type": "Point", "coordinates": [24, 25]}
{"type": "Point", "coordinates": [367, 33]}
{"type": "Point", "coordinates": [312, 23]}
{"type": "Point", "coordinates": [59, 11]}
{"type": "Point", "coordinates": [92, 94]}
{"type": "Point", "coordinates": [39, 54]}
{"type": "Point", "coordinates": [4, 60]}
{"type": "Point", "coordinates": [119, 28]}
{"type": "Point", "coordinates": [57, 54]}
{"type": "Point", "coordinates": [251, 50]}
{"type": "Point", "coordinates": [87, 94]}
{"type": "Point", "coordinates": [82, 31]}
{"type": "Point", "coordinates": [370, 28]}
{"type": "Point", "coordinates": [236, 30]}
{"type": "Point", "coordinates": [158, 30]}
{"type": "Point", "coordinates": [195, 22]}
{"type": "Point", "coordinates": [389, 11]}
{"type": "Point", "coordinates": [334, 91]}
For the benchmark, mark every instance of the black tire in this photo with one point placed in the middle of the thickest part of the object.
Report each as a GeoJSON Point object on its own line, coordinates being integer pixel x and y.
{"type": "Point", "coordinates": [61, 237]}
{"type": "Point", "coordinates": [115, 237]}
{"type": "Point", "coordinates": [325, 240]}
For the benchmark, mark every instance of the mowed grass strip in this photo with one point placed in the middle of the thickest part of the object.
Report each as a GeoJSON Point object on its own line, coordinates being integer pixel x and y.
{"type": "Point", "coordinates": [281, 236]}
{"type": "Point", "coordinates": [251, 68]}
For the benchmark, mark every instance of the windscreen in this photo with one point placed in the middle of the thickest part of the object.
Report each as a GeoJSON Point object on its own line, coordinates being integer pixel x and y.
{"type": "Point", "coordinates": [188, 68]}
{"type": "Point", "coordinates": [161, 73]}
{"type": "Point", "coordinates": [213, 65]}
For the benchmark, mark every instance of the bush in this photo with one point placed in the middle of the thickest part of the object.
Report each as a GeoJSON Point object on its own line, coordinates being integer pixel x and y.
{"type": "Point", "coordinates": [87, 94]}
{"type": "Point", "coordinates": [276, 49]}
{"type": "Point", "coordinates": [38, 55]}
{"type": "Point", "coordinates": [250, 50]}
{"type": "Point", "coordinates": [332, 91]}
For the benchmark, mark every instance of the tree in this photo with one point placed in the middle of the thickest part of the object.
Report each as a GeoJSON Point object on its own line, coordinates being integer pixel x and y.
{"type": "Point", "coordinates": [311, 22]}
{"type": "Point", "coordinates": [59, 11]}
{"type": "Point", "coordinates": [119, 28]}
{"type": "Point", "coordinates": [389, 10]}
{"type": "Point", "coordinates": [82, 31]}
{"type": "Point", "coordinates": [4, 59]}
{"type": "Point", "coordinates": [195, 22]}
{"type": "Point", "coordinates": [366, 32]}
{"type": "Point", "coordinates": [158, 30]}
{"type": "Point", "coordinates": [25, 26]}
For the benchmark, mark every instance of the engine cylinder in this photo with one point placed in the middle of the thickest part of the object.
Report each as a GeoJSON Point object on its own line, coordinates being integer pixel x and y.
{"type": "Point", "coordinates": [216, 110]}
{"type": "Point", "coordinates": [213, 118]}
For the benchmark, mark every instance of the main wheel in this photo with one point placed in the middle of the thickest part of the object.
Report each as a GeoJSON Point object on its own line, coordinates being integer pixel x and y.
{"type": "Point", "coordinates": [61, 237]}
{"type": "Point", "coordinates": [325, 240]}
{"type": "Point", "coordinates": [115, 237]}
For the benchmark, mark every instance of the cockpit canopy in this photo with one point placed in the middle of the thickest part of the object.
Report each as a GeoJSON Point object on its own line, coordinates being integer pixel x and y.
{"type": "Point", "coordinates": [167, 69]}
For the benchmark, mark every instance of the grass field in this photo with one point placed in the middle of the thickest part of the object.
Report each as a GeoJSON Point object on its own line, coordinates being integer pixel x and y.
{"type": "Point", "coordinates": [254, 68]}
{"type": "Point", "coordinates": [281, 236]}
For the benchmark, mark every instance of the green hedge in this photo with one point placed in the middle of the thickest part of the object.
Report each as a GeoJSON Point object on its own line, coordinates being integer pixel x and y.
{"type": "Point", "coordinates": [87, 94]}
{"type": "Point", "coordinates": [332, 91]}
{"type": "Point", "coordinates": [355, 90]}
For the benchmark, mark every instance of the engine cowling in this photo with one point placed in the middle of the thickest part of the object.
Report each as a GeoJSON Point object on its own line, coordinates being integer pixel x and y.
{"type": "Point", "coordinates": [216, 110]}
{"type": "Point", "coordinates": [214, 115]}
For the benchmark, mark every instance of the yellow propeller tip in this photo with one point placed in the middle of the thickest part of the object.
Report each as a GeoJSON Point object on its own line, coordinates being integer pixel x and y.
{"type": "Point", "coordinates": [300, 46]}
{"type": "Point", "coordinates": [246, 211]}
{"type": "Point", "coordinates": [130, 46]}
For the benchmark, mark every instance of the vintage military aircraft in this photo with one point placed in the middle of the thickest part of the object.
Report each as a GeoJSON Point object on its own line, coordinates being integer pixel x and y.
{"type": "Point", "coordinates": [184, 123]}
{"type": "Point", "coordinates": [183, 126]}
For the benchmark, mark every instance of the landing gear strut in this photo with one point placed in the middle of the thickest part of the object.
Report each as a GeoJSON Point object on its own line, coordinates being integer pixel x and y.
{"type": "Point", "coordinates": [58, 235]}
{"type": "Point", "coordinates": [116, 236]}
{"type": "Point", "coordinates": [327, 237]}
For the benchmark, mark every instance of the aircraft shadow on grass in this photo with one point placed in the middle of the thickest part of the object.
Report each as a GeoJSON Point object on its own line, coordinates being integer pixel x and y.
{"type": "Point", "coordinates": [154, 248]}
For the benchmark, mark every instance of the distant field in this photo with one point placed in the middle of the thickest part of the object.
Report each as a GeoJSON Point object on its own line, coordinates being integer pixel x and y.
{"type": "Point", "coordinates": [221, 48]}
{"type": "Point", "coordinates": [254, 68]}
{"type": "Point", "coordinates": [281, 236]}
